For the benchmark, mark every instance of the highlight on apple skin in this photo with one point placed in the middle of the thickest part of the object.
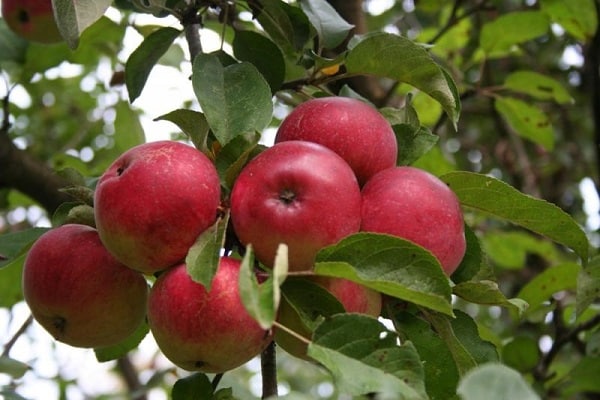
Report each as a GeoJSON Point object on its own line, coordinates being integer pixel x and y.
{"type": "Point", "coordinates": [79, 292]}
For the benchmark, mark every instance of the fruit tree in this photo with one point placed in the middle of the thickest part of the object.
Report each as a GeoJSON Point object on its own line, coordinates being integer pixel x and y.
{"type": "Point", "coordinates": [335, 199]}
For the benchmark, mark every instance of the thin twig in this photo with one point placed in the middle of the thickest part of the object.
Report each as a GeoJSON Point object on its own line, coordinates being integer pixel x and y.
{"type": "Point", "coordinates": [8, 346]}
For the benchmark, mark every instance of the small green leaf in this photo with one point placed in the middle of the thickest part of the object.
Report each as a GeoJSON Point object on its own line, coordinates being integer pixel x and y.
{"type": "Point", "coordinates": [234, 156]}
{"type": "Point", "coordinates": [495, 381]}
{"type": "Point", "coordinates": [399, 58]}
{"type": "Point", "coordinates": [73, 17]}
{"type": "Point", "coordinates": [510, 249]}
{"type": "Point", "coordinates": [235, 99]}
{"type": "Point", "coordinates": [17, 243]}
{"type": "Point", "coordinates": [119, 350]}
{"type": "Point", "coordinates": [261, 52]}
{"type": "Point", "coordinates": [331, 28]}
{"type": "Point", "coordinates": [142, 60]}
{"type": "Point", "coordinates": [287, 25]}
{"type": "Point", "coordinates": [497, 198]}
{"type": "Point", "coordinates": [583, 378]}
{"type": "Point", "coordinates": [538, 86]}
{"type": "Point", "coordinates": [194, 386]}
{"type": "Point", "coordinates": [486, 293]}
{"type": "Point", "coordinates": [12, 47]}
{"type": "Point", "coordinates": [413, 143]}
{"type": "Point", "coordinates": [499, 36]}
{"type": "Point", "coordinates": [521, 353]}
{"type": "Point", "coordinates": [363, 357]}
{"type": "Point", "coordinates": [193, 124]}
{"type": "Point", "coordinates": [472, 263]}
{"type": "Point", "coordinates": [527, 120]}
{"type": "Point", "coordinates": [128, 128]}
{"type": "Point", "coordinates": [588, 285]}
{"type": "Point", "coordinates": [550, 281]}
{"type": "Point", "coordinates": [14, 368]}
{"type": "Point", "coordinates": [578, 17]}
{"type": "Point", "coordinates": [202, 260]}
{"type": "Point", "coordinates": [262, 300]}
{"type": "Point", "coordinates": [390, 265]}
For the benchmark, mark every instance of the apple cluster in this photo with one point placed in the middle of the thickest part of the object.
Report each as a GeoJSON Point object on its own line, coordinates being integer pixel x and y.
{"type": "Point", "coordinates": [331, 173]}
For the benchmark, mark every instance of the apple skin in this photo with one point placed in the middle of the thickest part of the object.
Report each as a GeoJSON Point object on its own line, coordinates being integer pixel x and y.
{"type": "Point", "coordinates": [79, 292]}
{"type": "Point", "coordinates": [354, 297]}
{"type": "Point", "coordinates": [350, 127]}
{"type": "Point", "coordinates": [415, 205]}
{"type": "Point", "coordinates": [298, 193]}
{"type": "Point", "coordinates": [204, 331]}
{"type": "Point", "coordinates": [153, 202]}
{"type": "Point", "coordinates": [32, 20]}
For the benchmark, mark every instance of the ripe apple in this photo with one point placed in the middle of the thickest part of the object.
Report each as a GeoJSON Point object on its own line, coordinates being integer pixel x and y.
{"type": "Point", "coordinates": [415, 205]}
{"type": "Point", "coordinates": [199, 330]}
{"type": "Point", "coordinates": [152, 203]}
{"type": "Point", "coordinates": [77, 290]}
{"type": "Point", "coordinates": [298, 193]}
{"type": "Point", "coordinates": [354, 297]}
{"type": "Point", "coordinates": [32, 20]}
{"type": "Point", "coordinates": [350, 127]}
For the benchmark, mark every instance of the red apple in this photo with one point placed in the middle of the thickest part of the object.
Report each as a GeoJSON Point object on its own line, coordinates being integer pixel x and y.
{"type": "Point", "coordinates": [354, 297]}
{"type": "Point", "coordinates": [77, 290]}
{"type": "Point", "coordinates": [32, 20]}
{"type": "Point", "coordinates": [298, 193]}
{"type": "Point", "coordinates": [415, 205]}
{"type": "Point", "coordinates": [350, 127]}
{"type": "Point", "coordinates": [154, 201]}
{"type": "Point", "coordinates": [204, 331]}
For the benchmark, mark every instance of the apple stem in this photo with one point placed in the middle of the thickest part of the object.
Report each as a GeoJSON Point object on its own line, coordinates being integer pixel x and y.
{"type": "Point", "coordinates": [268, 366]}
{"type": "Point", "coordinates": [216, 380]}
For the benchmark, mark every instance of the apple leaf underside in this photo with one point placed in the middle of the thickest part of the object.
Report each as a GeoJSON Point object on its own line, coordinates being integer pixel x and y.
{"type": "Point", "coordinates": [390, 265]}
{"type": "Point", "coordinates": [73, 17]}
{"type": "Point", "coordinates": [121, 349]}
{"type": "Point", "coordinates": [364, 357]}
{"type": "Point", "coordinates": [494, 381]}
{"type": "Point", "coordinates": [495, 197]}
{"type": "Point", "coordinates": [331, 28]}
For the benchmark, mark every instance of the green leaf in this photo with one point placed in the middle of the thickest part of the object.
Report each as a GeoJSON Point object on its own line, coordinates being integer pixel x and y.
{"type": "Point", "coordinates": [441, 373]}
{"type": "Point", "coordinates": [261, 52]}
{"type": "Point", "coordinates": [17, 243]}
{"type": "Point", "coordinates": [202, 260]}
{"type": "Point", "coordinates": [363, 357]}
{"type": "Point", "coordinates": [73, 17]}
{"type": "Point", "coordinates": [550, 281]}
{"type": "Point", "coordinates": [288, 26]}
{"type": "Point", "coordinates": [193, 124]}
{"type": "Point", "coordinates": [234, 156]}
{"type": "Point", "coordinates": [472, 263]}
{"type": "Point", "coordinates": [495, 382]}
{"type": "Point", "coordinates": [14, 368]}
{"type": "Point", "coordinates": [12, 47]}
{"type": "Point", "coordinates": [399, 58]}
{"type": "Point", "coordinates": [497, 198]}
{"type": "Point", "coordinates": [262, 300]}
{"type": "Point", "coordinates": [510, 249]}
{"type": "Point", "coordinates": [486, 293]}
{"type": "Point", "coordinates": [119, 350]}
{"type": "Point", "coordinates": [578, 17]}
{"type": "Point", "coordinates": [331, 28]}
{"type": "Point", "coordinates": [588, 285]}
{"type": "Point", "coordinates": [498, 37]}
{"type": "Point", "coordinates": [538, 86]}
{"type": "Point", "coordinates": [527, 120]}
{"type": "Point", "coordinates": [194, 386]}
{"type": "Point", "coordinates": [413, 143]}
{"type": "Point", "coordinates": [144, 57]}
{"type": "Point", "coordinates": [390, 265]}
{"type": "Point", "coordinates": [521, 353]}
{"type": "Point", "coordinates": [583, 378]}
{"type": "Point", "coordinates": [235, 99]}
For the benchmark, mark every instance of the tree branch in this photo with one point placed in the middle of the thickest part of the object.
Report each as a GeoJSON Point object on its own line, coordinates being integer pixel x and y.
{"type": "Point", "coordinates": [269, 371]}
{"type": "Point", "coordinates": [130, 375]}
